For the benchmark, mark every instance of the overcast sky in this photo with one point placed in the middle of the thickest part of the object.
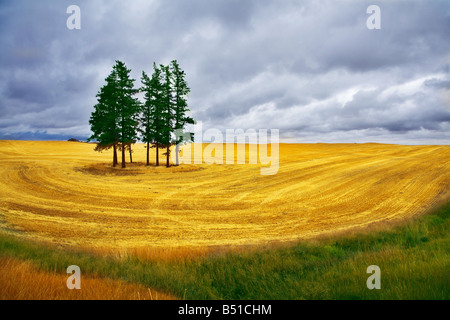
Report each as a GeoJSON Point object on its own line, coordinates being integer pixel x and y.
{"type": "Point", "coordinates": [311, 69]}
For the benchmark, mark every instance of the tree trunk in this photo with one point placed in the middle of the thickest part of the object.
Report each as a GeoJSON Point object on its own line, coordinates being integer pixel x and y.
{"type": "Point", "coordinates": [177, 150]}
{"type": "Point", "coordinates": [114, 155]}
{"type": "Point", "coordinates": [148, 153]}
{"type": "Point", "coordinates": [123, 156]}
{"type": "Point", "coordinates": [167, 156]}
{"type": "Point", "coordinates": [131, 157]}
{"type": "Point", "coordinates": [157, 155]}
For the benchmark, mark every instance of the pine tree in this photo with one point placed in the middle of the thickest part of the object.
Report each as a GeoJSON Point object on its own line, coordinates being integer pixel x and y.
{"type": "Point", "coordinates": [151, 119]}
{"type": "Point", "coordinates": [180, 107]}
{"type": "Point", "coordinates": [114, 120]}
{"type": "Point", "coordinates": [103, 120]}
{"type": "Point", "coordinates": [167, 111]}
{"type": "Point", "coordinates": [127, 108]}
{"type": "Point", "coordinates": [146, 118]}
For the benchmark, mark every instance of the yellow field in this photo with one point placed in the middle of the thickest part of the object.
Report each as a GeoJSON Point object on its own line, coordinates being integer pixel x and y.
{"type": "Point", "coordinates": [69, 195]}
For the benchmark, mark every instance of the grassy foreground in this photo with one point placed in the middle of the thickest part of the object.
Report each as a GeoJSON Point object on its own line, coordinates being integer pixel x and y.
{"type": "Point", "coordinates": [414, 259]}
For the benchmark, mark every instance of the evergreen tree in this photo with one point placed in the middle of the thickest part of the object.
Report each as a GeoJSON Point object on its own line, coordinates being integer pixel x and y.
{"type": "Point", "coordinates": [151, 118]}
{"type": "Point", "coordinates": [167, 111]}
{"type": "Point", "coordinates": [119, 117]}
{"type": "Point", "coordinates": [127, 109]}
{"type": "Point", "coordinates": [114, 120]}
{"type": "Point", "coordinates": [103, 120]}
{"type": "Point", "coordinates": [180, 107]}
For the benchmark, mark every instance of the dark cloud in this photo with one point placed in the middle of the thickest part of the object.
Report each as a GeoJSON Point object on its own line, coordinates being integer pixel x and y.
{"type": "Point", "coordinates": [27, 91]}
{"type": "Point", "coordinates": [311, 69]}
{"type": "Point", "coordinates": [441, 84]}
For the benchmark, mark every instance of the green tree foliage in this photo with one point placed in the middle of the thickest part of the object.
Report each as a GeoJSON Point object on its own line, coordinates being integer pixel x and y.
{"type": "Point", "coordinates": [119, 119]}
{"type": "Point", "coordinates": [103, 120]}
{"type": "Point", "coordinates": [151, 118]}
{"type": "Point", "coordinates": [114, 120]}
{"type": "Point", "coordinates": [128, 108]}
{"type": "Point", "coordinates": [180, 106]}
{"type": "Point", "coordinates": [167, 111]}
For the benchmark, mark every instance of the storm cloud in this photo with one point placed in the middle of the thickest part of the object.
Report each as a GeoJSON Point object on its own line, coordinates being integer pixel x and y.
{"type": "Point", "coordinates": [309, 68]}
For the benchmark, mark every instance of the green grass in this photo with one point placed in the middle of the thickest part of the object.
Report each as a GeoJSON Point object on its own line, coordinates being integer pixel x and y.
{"type": "Point", "coordinates": [414, 259]}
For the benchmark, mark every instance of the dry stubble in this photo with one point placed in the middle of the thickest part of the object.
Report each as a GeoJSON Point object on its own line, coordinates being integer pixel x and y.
{"type": "Point", "coordinates": [66, 194]}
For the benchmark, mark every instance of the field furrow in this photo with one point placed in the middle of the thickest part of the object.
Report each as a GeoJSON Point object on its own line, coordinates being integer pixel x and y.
{"type": "Point", "coordinates": [67, 194]}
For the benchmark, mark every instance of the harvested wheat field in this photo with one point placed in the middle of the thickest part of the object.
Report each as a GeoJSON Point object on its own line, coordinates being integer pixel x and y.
{"type": "Point", "coordinates": [67, 194]}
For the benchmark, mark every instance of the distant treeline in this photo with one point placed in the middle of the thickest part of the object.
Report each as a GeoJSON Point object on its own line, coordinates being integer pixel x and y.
{"type": "Point", "coordinates": [120, 119]}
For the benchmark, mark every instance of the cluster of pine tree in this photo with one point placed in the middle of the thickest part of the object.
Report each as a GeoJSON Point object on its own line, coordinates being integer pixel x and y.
{"type": "Point", "coordinates": [120, 119]}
